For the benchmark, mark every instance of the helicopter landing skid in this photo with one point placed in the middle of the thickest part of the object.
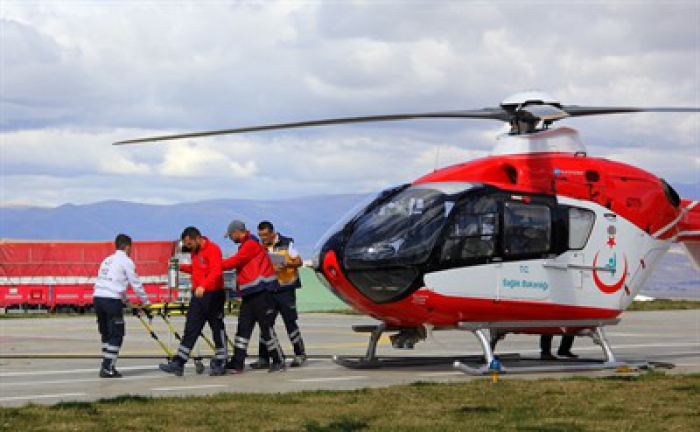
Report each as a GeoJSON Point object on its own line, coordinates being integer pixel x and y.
{"type": "Point", "coordinates": [371, 361]}
{"type": "Point", "coordinates": [592, 328]}
{"type": "Point", "coordinates": [408, 361]}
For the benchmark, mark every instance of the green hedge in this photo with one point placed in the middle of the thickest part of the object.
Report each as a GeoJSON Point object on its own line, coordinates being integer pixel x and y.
{"type": "Point", "coordinates": [314, 297]}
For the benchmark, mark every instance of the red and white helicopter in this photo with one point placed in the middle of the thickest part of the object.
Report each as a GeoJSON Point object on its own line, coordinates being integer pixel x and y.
{"type": "Point", "coordinates": [537, 238]}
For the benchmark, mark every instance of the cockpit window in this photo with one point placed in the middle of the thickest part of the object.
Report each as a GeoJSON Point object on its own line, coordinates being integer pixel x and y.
{"type": "Point", "coordinates": [471, 233]}
{"type": "Point", "coordinates": [399, 232]}
{"type": "Point", "coordinates": [527, 229]}
{"type": "Point", "coordinates": [580, 227]}
{"type": "Point", "coordinates": [394, 238]}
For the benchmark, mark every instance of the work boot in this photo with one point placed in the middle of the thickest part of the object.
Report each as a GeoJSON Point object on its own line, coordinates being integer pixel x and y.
{"type": "Point", "coordinates": [260, 364]}
{"type": "Point", "coordinates": [547, 356]}
{"type": "Point", "coordinates": [277, 367]}
{"type": "Point", "coordinates": [217, 368]}
{"type": "Point", "coordinates": [217, 371]}
{"type": "Point", "coordinates": [109, 373]}
{"type": "Point", "coordinates": [298, 360]}
{"type": "Point", "coordinates": [172, 367]}
{"type": "Point", "coordinates": [567, 354]}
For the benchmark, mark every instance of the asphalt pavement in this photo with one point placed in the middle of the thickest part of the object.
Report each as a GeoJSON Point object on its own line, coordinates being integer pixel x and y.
{"type": "Point", "coordinates": [48, 360]}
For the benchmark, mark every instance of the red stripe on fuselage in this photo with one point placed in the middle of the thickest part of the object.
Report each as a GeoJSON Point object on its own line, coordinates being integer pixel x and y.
{"type": "Point", "coordinates": [427, 307]}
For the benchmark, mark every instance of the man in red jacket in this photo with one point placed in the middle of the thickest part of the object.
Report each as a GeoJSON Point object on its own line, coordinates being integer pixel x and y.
{"type": "Point", "coordinates": [256, 281]}
{"type": "Point", "coordinates": [206, 305]}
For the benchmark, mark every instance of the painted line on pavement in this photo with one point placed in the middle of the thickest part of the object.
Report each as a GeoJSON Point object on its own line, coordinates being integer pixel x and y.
{"type": "Point", "coordinates": [138, 368]}
{"type": "Point", "coordinates": [42, 396]}
{"type": "Point", "coordinates": [189, 387]}
{"type": "Point", "coordinates": [71, 371]}
{"type": "Point", "coordinates": [86, 380]}
{"type": "Point", "coordinates": [640, 334]}
{"type": "Point", "coordinates": [331, 366]}
{"type": "Point", "coordinates": [616, 346]}
{"type": "Point", "coordinates": [438, 374]}
{"type": "Point", "coordinates": [679, 353]}
{"type": "Point", "coordinates": [347, 378]}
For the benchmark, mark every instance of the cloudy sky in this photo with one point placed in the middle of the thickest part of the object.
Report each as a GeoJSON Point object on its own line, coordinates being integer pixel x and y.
{"type": "Point", "coordinates": [79, 75]}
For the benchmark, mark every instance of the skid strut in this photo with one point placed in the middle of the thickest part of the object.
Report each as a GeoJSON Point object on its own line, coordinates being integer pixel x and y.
{"type": "Point", "coordinates": [372, 361]}
{"type": "Point", "coordinates": [592, 328]}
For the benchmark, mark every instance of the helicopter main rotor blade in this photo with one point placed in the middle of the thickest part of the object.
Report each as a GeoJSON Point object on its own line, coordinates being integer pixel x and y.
{"type": "Point", "coordinates": [487, 113]}
{"type": "Point", "coordinates": [576, 110]}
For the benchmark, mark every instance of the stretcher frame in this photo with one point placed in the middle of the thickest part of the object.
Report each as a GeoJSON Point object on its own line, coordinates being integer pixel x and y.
{"type": "Point", "coordinates": [165, 310]}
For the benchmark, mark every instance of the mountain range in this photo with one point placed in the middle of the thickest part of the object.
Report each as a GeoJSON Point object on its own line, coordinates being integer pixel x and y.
{"type": "Point", "coordinates": [305, 219]}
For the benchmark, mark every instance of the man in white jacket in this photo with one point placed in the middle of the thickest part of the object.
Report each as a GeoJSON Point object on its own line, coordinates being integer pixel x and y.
{"type": "Point", "coordinates": [116, 273]}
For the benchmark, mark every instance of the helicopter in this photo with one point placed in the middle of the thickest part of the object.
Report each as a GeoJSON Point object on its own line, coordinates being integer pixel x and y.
{"type": "Point", "coordinates": [537, 238]}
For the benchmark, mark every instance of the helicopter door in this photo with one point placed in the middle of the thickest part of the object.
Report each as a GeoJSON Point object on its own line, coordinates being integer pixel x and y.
{"type": "Point", "coordinates": [471, 234]}
{"type": "Point", "coordinates": [578, 259]}
{"type": "Point", "coordinates": [568, 270]}
{"type": "Point", "coordinates": [527, 233]}
{"type": "Point", "coordinates": [464, 258]}
{"type": "Point", "coordinates": [581, 223]}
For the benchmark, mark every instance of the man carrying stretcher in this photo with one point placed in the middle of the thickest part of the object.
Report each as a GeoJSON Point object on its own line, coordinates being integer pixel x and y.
{"type": "Point", "coordinates": [206, 305]}
{"type": "Point", "coordinates": [117, 271]}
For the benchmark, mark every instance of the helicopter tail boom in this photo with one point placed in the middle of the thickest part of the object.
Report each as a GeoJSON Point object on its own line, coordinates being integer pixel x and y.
{"type": "Point", "coordinates": [689, 230]}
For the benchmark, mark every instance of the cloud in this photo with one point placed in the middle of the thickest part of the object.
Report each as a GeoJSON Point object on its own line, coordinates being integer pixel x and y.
{"type": "Point", "coordinates": [79, 76]}
{"type": "Point", "coordinates": [202, 160]}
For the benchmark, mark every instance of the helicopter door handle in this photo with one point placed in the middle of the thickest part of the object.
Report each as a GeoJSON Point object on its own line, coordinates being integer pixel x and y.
{"type": "Point", "coordinates": [566, 266]}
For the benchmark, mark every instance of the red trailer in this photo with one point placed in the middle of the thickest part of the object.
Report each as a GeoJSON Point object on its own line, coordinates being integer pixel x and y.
{"type": "Point", "coordinates": [55, 274]}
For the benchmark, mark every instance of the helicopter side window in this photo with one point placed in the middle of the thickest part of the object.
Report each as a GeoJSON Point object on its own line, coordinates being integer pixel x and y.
{"type": "Point", "coordinates": [580, 226]}
{"type": "Point", "coordinates": [527, 229]}
{"type": "Point", "coordinates": [471, 233]}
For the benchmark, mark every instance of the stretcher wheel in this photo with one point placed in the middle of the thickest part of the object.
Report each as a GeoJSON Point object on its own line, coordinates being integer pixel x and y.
{"type": "Point", "coordinates": [198, 367]}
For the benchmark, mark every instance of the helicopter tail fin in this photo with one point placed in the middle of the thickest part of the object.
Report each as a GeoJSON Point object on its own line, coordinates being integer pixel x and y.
{"type": "Point", "coordinates": [689, 230]}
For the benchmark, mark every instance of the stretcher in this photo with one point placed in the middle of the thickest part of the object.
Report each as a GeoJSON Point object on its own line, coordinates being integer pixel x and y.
{"type": "Point", "coordinates": [164, 311]}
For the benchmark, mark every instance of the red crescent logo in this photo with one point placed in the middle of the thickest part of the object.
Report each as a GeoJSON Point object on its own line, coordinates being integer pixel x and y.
{"type": "Point", "coordinates": [608, 289]}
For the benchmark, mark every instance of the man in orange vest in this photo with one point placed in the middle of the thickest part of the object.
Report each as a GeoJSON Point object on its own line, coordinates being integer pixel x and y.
{"type": "Point", "coordinates": [287, 262]}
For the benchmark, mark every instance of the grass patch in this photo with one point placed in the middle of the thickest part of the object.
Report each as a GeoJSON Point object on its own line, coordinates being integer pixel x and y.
{"type": "Point", "coordinates": [646, 376]}
{"type": "Point", "coordinates": [77, 408]}
{"type": "Point", "coordinates": [342, 425]}
{"type": "Point", "coordinates": [662, 304]}
{"type": "Point", "coordinates": [556, 427]}
{"type": "Point", "coordinates": [475, 409]}
{"type": "Point", "coordinates": [691, 389]}
{"type": "Point", "coordinates": [125, 399]}
{"type": "Point", "coordinates": [648, 402]}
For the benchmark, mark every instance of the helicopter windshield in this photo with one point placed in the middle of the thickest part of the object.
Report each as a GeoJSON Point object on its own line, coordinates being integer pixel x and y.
{"type": "Point", "coordinates": [355, 212]}
{"type": "Point", "coordinates": [403, 230]}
